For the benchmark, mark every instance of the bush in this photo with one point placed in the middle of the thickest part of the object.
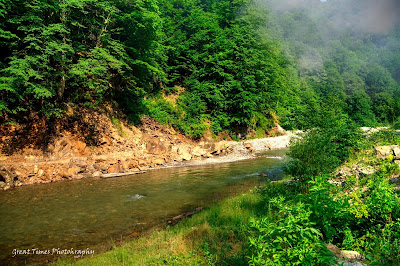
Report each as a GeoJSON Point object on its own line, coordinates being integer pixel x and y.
{"type": "Point", "coordinates": [323, 148]}
{"type": "Point", "coordinates": [291, 240]}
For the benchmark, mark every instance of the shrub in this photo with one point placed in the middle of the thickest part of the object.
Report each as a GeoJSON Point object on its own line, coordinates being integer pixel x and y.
{"type": "Point", "coordinates": [291, 240]}
{"type": "Point", "coordinates": [323, 148]}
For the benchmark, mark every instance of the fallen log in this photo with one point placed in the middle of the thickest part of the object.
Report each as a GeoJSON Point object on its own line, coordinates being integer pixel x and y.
{"type": "Point", "coordinates": [184, 215]}
{"type": "Point", "coordinates": [111, 175]}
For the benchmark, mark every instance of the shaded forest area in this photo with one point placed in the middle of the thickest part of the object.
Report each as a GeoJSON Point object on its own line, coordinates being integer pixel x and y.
{"type": "Point", "coordinates": [201, 65]}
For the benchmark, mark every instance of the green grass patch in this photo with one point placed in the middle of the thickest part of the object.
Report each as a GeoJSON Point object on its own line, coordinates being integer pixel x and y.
{"type": "Point", "coordinates": [217, 235]}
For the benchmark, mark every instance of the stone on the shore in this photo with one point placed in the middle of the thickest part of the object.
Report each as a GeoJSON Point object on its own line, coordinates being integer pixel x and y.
{"type": "Point", "coordinates": [351, 255]}
{"type": "Point", "coordinates": [365, 170]}
{"type": "Point", "coordinates": [72, 171]}
{"type": "Point", "coordinates": [396, 152]}
{"type": "Point", "coordinates": [115, 168]}
{"type": "Point", "coordinates": [155, 146]}
{"type": "Point", "coordinates": [186, 156]}
{"type": "Point", "coordinates": [96, 174]}
{"type": "Point", "coordinates": [382, 152]}
{"type": "Point", "coordinates": [394, 180]}
{"type": "Point", "coordinates": [159, 161]}
{"type": "Point", "coordinates": [197, 151]}
{"type": "Point", "coordinates": [184, 153]}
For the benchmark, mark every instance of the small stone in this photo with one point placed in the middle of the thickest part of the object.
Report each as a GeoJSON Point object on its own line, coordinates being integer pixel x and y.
{"type": "Point", "coordinates": [394, 180]}
{"type": "Point", "coordinates": [40, 173]}
{"type": "Point", "coordinates": [247, 145]}
{"type": "Point", "coordinates": [96, 174]}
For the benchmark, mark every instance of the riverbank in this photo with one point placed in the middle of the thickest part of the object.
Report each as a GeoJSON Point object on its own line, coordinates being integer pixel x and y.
{"type": "Point", "coordinates": [218, 234]}
{"type": "Point", "coordinates": [349, 216]}
{"type": "Point", "coordinates": [98, 213]}
{"type": "Point", "coordinates": [117, 147]}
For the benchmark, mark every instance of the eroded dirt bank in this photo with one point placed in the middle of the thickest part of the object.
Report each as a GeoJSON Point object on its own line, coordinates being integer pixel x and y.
{"type": "Point", "coordinates": [93, 144]}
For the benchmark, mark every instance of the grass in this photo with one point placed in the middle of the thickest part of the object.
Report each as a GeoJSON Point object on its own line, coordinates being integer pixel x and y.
{"type": "Point", "coordinates": [217, 235]}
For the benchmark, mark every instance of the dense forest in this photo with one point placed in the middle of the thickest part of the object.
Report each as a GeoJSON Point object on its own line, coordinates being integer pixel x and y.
{"type": "Point", "coordinates": [202, 65]}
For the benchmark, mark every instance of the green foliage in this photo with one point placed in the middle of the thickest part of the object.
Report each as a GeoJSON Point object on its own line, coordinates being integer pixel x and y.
{"type": "Point", "coordinates": [186, 115]}
{"type": "Point", "coordinates": [290, 240]}
{"type": "Point", "coordinates": [75, 51]}
{"type": "Point", "coordinates": [384, 137]}
{"type": "Point", "coordinates": [365, 219]}
{"type": "Point", "coordinates": [325, 147]}
{"type": "Point", "coordinates": [244, 66]}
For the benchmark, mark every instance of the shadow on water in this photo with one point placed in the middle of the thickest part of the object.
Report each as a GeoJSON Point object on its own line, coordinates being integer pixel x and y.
{"type": "Point", "coordinates": [99, 213]}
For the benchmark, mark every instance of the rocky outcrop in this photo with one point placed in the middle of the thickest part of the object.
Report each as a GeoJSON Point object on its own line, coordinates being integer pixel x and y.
{"type": "Point", "coordinates": [93, 144]}
{"type": "Point", "coordinates": [389, 152]}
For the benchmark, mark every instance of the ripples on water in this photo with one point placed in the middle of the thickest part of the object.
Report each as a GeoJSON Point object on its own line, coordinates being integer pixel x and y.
{"type": "Point", "coordinates": [87, 213]}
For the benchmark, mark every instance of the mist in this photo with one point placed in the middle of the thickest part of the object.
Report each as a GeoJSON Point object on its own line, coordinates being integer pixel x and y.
{"type": "Point", "coordinates": [364, 16]}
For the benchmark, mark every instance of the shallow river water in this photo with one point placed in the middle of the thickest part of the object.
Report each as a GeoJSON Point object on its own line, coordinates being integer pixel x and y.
{"type": "Point", "coordinates": [97, 213]}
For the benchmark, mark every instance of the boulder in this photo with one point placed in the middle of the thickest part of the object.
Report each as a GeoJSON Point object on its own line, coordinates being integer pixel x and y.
{"type": "Point", "coordinates": [159, 161]}
{"type": "Point", "coordinates": [396, 152]}
{"type": "Point", "coordinates": [155, 146]}
{"type": "Point", "coordinates": [132, 165]}
{"type": "Point", "coordinates": [96, 174]}
{"type": "Point", "coordinates": [115, 168]}
{"type": "Point", "coordinates": [334, 249]}
{"type": "Point", "coordinates": [184, 153]}
{"type": "Point", "coordinates": [382, 152]}
{"type": "Point", "coordinates": [397, 162]}
{"type": "Point", "coordinates": [197, 151]}
{"type": "Point", "coordinates": [365, 170]}
{"type": "Point", "coordinates": [72, 171]}
{"type": "Point", "coordinates": [186, 156]}
{"type": "Point", "coordinates": [351, 255]}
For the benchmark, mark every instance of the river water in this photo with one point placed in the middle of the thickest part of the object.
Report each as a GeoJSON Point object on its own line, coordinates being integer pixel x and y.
{"type": "Point", "coordinates": [97, 213]}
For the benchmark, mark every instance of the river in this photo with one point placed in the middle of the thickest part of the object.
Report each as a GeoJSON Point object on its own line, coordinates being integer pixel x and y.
{"type": "Point", "coordinates": [98, 213]}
